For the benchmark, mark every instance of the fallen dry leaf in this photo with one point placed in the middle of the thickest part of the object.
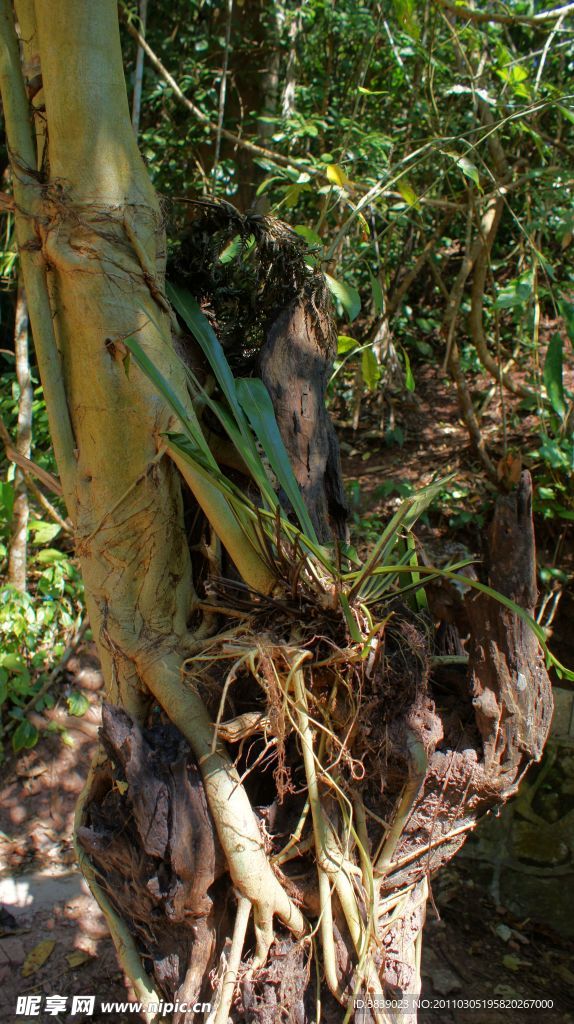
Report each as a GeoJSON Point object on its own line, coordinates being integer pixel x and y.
{"type": "Point", "coordinates": [37, 957]}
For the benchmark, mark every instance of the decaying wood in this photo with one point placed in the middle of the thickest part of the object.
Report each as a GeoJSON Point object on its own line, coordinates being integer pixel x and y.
{"type": "Point", "coordinates": [150, 835]}
{"type": "Point", "coordinates": [477, 757]}
{"type": "Point", "coordinates": [296, 362]}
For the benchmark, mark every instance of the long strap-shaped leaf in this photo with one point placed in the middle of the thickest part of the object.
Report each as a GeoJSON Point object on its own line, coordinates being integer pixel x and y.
{"type": "Point", "coordinates": [256, 403]}
{"type": "Point", "coordinates": [199, 325]}
{"type": "Point", "coordinates": [404, 518]}
{"type": "Point", "coordinates": [246, 397]}
{"type": "Point", "coordinates": [186, 414]}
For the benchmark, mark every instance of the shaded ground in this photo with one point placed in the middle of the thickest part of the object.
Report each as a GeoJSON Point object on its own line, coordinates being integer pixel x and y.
{"type": "Point", "coordinates": [473, 950]}
{"type": "Point", "coordinates": [41, 891]}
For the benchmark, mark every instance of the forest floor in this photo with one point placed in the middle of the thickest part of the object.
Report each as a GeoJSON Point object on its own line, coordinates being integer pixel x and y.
{"type": "Point", "coordinates": [474, 949]}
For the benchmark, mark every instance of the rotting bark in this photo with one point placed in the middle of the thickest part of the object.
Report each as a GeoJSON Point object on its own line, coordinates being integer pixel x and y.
{"type": "Point", "coordinates": [149, 827]}
{"type": "Point", "coordinates": [478, 752]}
{"type": "Point", "coordinates": [295, 363]}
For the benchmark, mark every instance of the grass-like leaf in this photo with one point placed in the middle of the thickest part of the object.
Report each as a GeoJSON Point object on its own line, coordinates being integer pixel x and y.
{"type": "Point", "coordinates": [251, 406]}
{"type": "Point", "coordinates": [186, 414]}
{"type": "Point", "coordinates": [256, 403]}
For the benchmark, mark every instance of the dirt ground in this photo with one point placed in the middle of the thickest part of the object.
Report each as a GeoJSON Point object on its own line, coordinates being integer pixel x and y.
{"type": "Point", "coordinates": [473, 949]}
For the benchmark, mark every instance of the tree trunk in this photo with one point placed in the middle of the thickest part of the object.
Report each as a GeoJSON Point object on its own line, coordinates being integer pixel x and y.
{"type": "Point", "coordinates": [18, 551]}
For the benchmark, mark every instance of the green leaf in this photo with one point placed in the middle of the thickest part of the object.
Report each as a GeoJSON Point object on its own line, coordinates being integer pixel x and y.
{"type": "Point", "coordinates": [314, 241]}
{"type": "Point", "coordinates": [7, 499]}
{"type": "Point", "coordinates": [50, 555]}
{"type": "Point", "coordinates": [553, 375]}
{"type": "Point", "coordinates": [567, 310]}
{"type": "Point", "coordinates": [256, 403]}
{"type": "Point", "coordinates": [188, 309]}
{"type": "Point", "coordinates": [346, 295]}
{"type": "Point", "coordinates": [371, 92]}
{"type": "Point", "coordinates": [232, 249]}
{"type": "Point", "coordinates": [516, 293]}
{"type": "Point", "coordinates": [25, 736]}
{"type": "Point", "coordinates": [403, 519]}
{"type": "Point", "coordinates": [186, 415]}
{"type": "Point", "coordinates": [408, 193]}
{"type": "Point", "coordinates": [405, 13]}
{"type": "Point", "coordinates": [267, 182]}
{"type": "Point", "coordinates": [469, 169]}
{"type": "Point", "coordinates": [77, 703]}
{"type": "Point", "coordinates": [13, 662]}
{"type": "Point", "coordinates": [370, 368]}
{"type": "Point", "coordinates": [409, 378]}
{"type": "Point", "coordinates": [377, 290]}
{"type": "Point", "coordinates": [354, 631]}
{"type": "Point", "coordinates": [345, 344]}
{"type": "Point", "coordinates": [567, 113]}
{"type": "Point", "coordinates": [44, 532]}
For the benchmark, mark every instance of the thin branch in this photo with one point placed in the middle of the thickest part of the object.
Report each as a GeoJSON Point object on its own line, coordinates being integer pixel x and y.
{"type": "Point", "coordinates": [31, 468]}
{"type": "Point", "coordinates": [405, 282]}
{"type": "Point", "coordinates": [222, 91]}
{"type": "Point", "coordinates": [46, 504]}
{"type": "Point", "coordinates": [138, 84]}
{"type": "Point", "coordinates": [487, 231]}
{"type": "Point", "coordinates": [482, 17]}
{"type": "Point", "coordinates": [261, 151]}
{"type": "Point", "coordinates": [453, 362]}
{"type": "Point", "coordinates": [546, 50]}
{"type": "Point", "coordinates": [212, 127]}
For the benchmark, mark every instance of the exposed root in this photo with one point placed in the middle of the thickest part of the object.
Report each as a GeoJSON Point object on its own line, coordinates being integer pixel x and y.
{"type": "Point", "coordinates": [317, 712]}
{"type": "Point", "coordinates": [230, 977]}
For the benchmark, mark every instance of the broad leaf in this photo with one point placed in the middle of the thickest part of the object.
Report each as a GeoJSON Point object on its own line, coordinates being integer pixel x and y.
{"type": "Point", "coordinates": [553, 375]}
{"type": "Point", "coordinates": [370, 368]}
{"type": "Point", "coordinates": [188, 309]}
{"type": "Point", "coordinates": [408, 193]}
{"type": "Point", "coordinates": [347, 296]}
{"type": "Point", "coordinates": [336, 175]}
{"type": "Point", "coordinates": [377, 290]}
{"type": "Point", "coordinates": [345, 344]}
{"type": "Point", "coordinates": [187, 415]}
{"type": "Point", "coordinates": [25, 737]}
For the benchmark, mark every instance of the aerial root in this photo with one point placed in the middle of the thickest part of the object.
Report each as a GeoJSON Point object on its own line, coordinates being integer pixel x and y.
{"type": "Point", "coordinates": [230, 977]}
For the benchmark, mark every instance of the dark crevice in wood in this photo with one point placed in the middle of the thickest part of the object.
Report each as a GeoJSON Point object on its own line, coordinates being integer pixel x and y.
{"type": "Point", "coordinates": [150, 835]}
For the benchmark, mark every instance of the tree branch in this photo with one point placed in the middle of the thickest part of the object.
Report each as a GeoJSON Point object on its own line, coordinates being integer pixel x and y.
{"type": "Point", "coordinates": [481, 17]}
{"type": "Point", "coordinates": [26, 465]}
